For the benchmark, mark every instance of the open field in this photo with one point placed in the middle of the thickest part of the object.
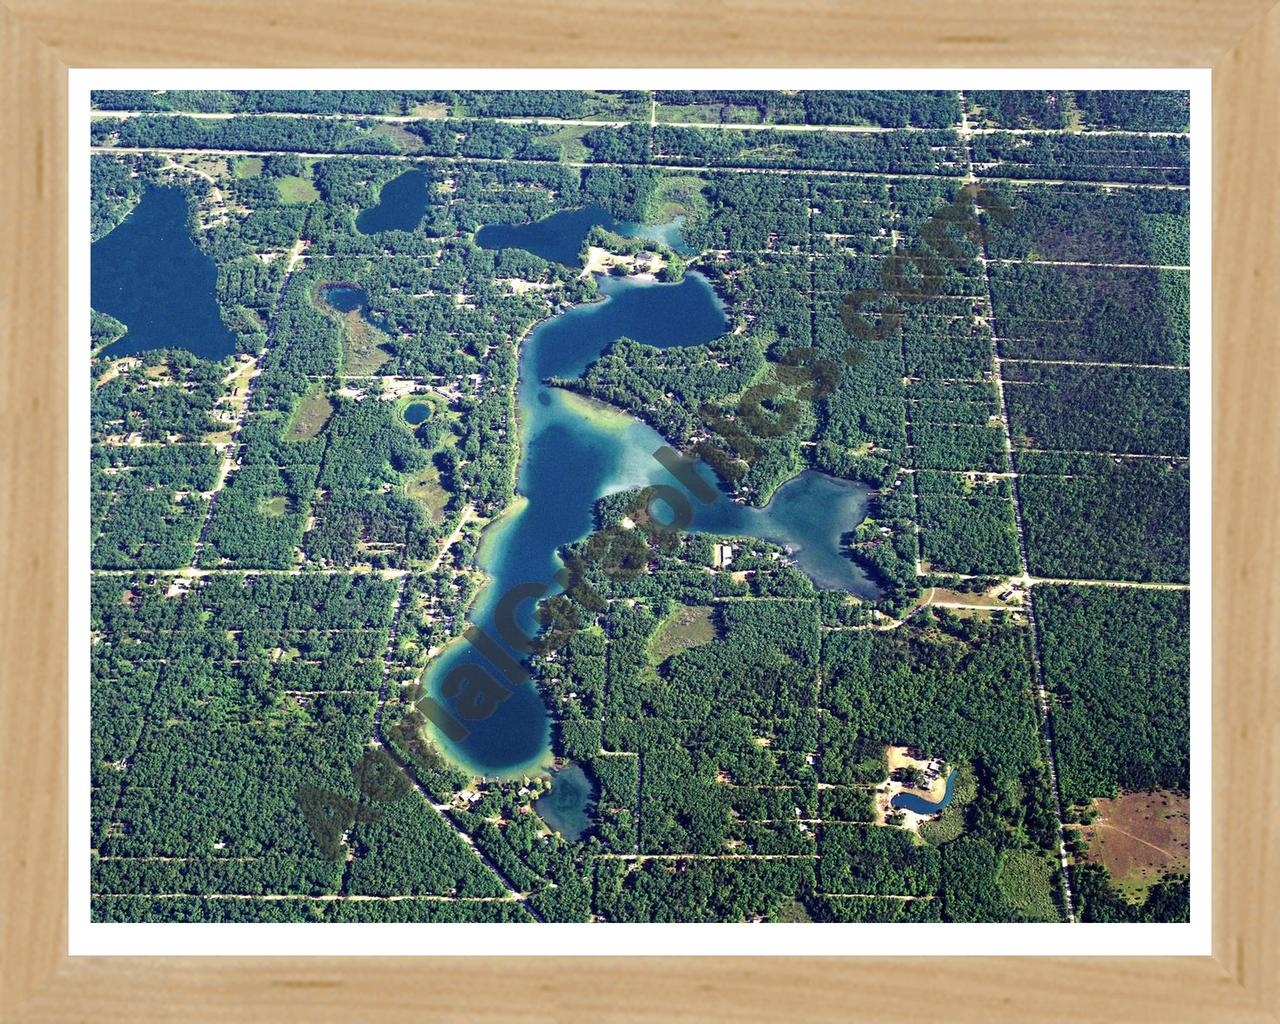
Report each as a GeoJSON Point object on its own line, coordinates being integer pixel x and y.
{"type": "Point", "coordinates": [246, 167]}
{"type": "Point", "coordinates": [294, 189]}
{"type": "Point", "coordinates": [688, 626]}
{"type": "Point", "coordinates": [424, 487]}
{"type": "Point", "coordinates": [309, 417]}
{"type": "Point", "coordinates": [1140, 837]}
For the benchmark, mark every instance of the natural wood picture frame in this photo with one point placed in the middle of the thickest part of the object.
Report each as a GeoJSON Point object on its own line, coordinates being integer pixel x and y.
{"type": "Point", "coordinates": [41, 39]}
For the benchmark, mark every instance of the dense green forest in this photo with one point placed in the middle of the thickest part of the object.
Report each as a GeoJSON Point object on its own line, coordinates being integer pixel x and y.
{"type": "Point", "coordinates": [279, 553]}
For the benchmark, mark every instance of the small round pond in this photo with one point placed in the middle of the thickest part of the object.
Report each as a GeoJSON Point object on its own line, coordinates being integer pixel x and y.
{"type": "Point", "coordinates": [416, 412]}
{"type": "Point", "coordinates": [344, 297]}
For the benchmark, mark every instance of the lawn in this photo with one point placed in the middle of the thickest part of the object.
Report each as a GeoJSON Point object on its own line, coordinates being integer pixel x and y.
{"type": "Point", "coordinates": [247, 167]}
{"type": "Point", "coordinates": [294, 190]}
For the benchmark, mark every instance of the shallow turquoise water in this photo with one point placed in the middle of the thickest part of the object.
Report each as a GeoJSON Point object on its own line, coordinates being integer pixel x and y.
{"type": "Point", "coordinates": [572, 453]}
{"type": "Point", "coordinates": [559, 237]}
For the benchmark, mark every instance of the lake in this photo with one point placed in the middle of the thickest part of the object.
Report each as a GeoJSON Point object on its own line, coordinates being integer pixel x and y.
{"type": "Point", "coordinates": [573, 452]}
{"type": "Point", "coordinates": [559, 237]}
{"type": "Point", "coordinates": [401, 205]}
{"type": "Point", "coordinates": [344, 297]}
{"type": "Point", "coordinates": [149, 275]}
{"type": "Point", "coordinates": [914, 802]}
{"type": "Point", "coordinates": [416, 412]}
{"type": "Point", "coordinates": [570, 805]}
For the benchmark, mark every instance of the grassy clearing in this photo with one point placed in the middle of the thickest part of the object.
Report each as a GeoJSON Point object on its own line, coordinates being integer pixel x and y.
{"type": "Point", "coordinates": [1026, 879]}
{"type": "Point", "coordinates": [686, 627]}
{"type": "Point", "coordinates": [708, 113]}
{"type": "Point", "coordinates": [679, 196]}
{"type": "Point", "coordinates": [274, 506]}
{"type": "Point", "coordinates": [309, 417]}
{"type": "Point", "coordinates": [794, 912]}
{"type": "Point", "coordinates": [430, 111]}
{"type": "Point", "coordinates": [569, 138]}
{"type": "Point", "coordinates": [611, 106]}
{"type": "Point", "coordinates": [424, 487]}
{"type": "Point", "coordinates": [363, 346]}
{"type": "Point", "coordinates": [246, 167]}
{"type": "Point", "coordinates": [405, 140]}
{"type": "Point", "coordinates": [294, 190]}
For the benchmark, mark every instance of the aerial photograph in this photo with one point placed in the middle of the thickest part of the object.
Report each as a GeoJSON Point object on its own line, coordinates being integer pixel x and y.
{"type": "Point", "coordinates": [604, 506]}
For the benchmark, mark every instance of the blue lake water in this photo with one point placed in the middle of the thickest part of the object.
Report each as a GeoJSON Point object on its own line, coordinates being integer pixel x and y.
{"type": "Point", "coordinates": [401, 205]}
{"type": "Point", "coordinates": [416, 412]}
{"type": "Point", "coordinates": [574, 451]}
{"type": "Point", "coordinates": [344, 297]}
{"type": "Point", "coordinates": [913, 802]}
{"type": "Point", "coordinates": [559, 237]}
{"type": "Point", "coordinates": [150, 276]}
{"type": "Point", "coordinates": [569, 807]}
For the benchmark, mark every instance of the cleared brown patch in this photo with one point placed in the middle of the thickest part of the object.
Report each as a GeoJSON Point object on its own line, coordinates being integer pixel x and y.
{"type": "Point", "coordinates": [404, 139]}
{"type": "Point", "coordinates": [1140, 837]}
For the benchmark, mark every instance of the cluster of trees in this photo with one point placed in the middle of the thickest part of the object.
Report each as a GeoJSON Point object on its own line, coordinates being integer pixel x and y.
{"type": "Point", "coordinates": [1117, 661]}
{"type": "Point", "coordinates": [1081, 224]}
{"type": "Point", "coordinates": [887, 108]}
{"type": "Point", "coordinates": [1143, 159]}
{"type": "Point", "coordinates": [364, 516]}
{"type": "Point", "coordinates": [691, 891]}
{"type": "Point", "coordinates": [198, 751]}
{"type": "Point", "coordinates": [1087, 517]}
{"type": "Point", "coordinates": [966, 529]}
{"type": "Point", "coordinates": [114, 189]}
{"type": "Point", "coordinates": [266, 101]}
{"type": "Point", "coordinates": [1143, 110]}
{"type": "Point", "coordinates": [1119, 409]}
{"type": "Point", "coordinates": [667, 387]}
{"type": "Point", "coordinates": [292, 134]}
{"type": "Point", "coordinates": [916, 152]}
{"type": "Point", "coordinates": [1169, 900]}
{"type": "Point", "coordinates": [875, 861]}
{"type": "Point", "coordinates": [1019, 108]}
{"type": "Point", "coordinates": [564, 103]}
{"type": "Point", "coordinates": [958, 446]}
{"type": "Point", "coordinates": [955, 688]}
{"type": "Point", "coordinates": [1091, 314]}
{"type": "Point", "coordinates": [199, 909]}
{"type": "Point", "coordinates": [1138, 110]}
{"type": "Point", "coordinates": [177, 407]}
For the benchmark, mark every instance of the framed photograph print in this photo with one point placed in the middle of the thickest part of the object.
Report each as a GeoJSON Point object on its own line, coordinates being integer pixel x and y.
{"type": "Point", "coordinates": [519, 511]}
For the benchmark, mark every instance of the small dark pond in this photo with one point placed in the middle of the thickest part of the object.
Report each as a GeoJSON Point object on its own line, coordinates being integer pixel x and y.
{"type": "Point", "coordinates": [344, 297]}
{"type": "Point", "coordinates": [150, 276]}
{"type": "Point", "coordinates": [913, 802]}
{"type": "Point", "coordinates": [569, 806]}
{"type": "Point", "coordinates": [559, 237]}
{"type": "Point", "coordinates": [416, 412]}
{"type": "Point", "coordinates": [401, 204]}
